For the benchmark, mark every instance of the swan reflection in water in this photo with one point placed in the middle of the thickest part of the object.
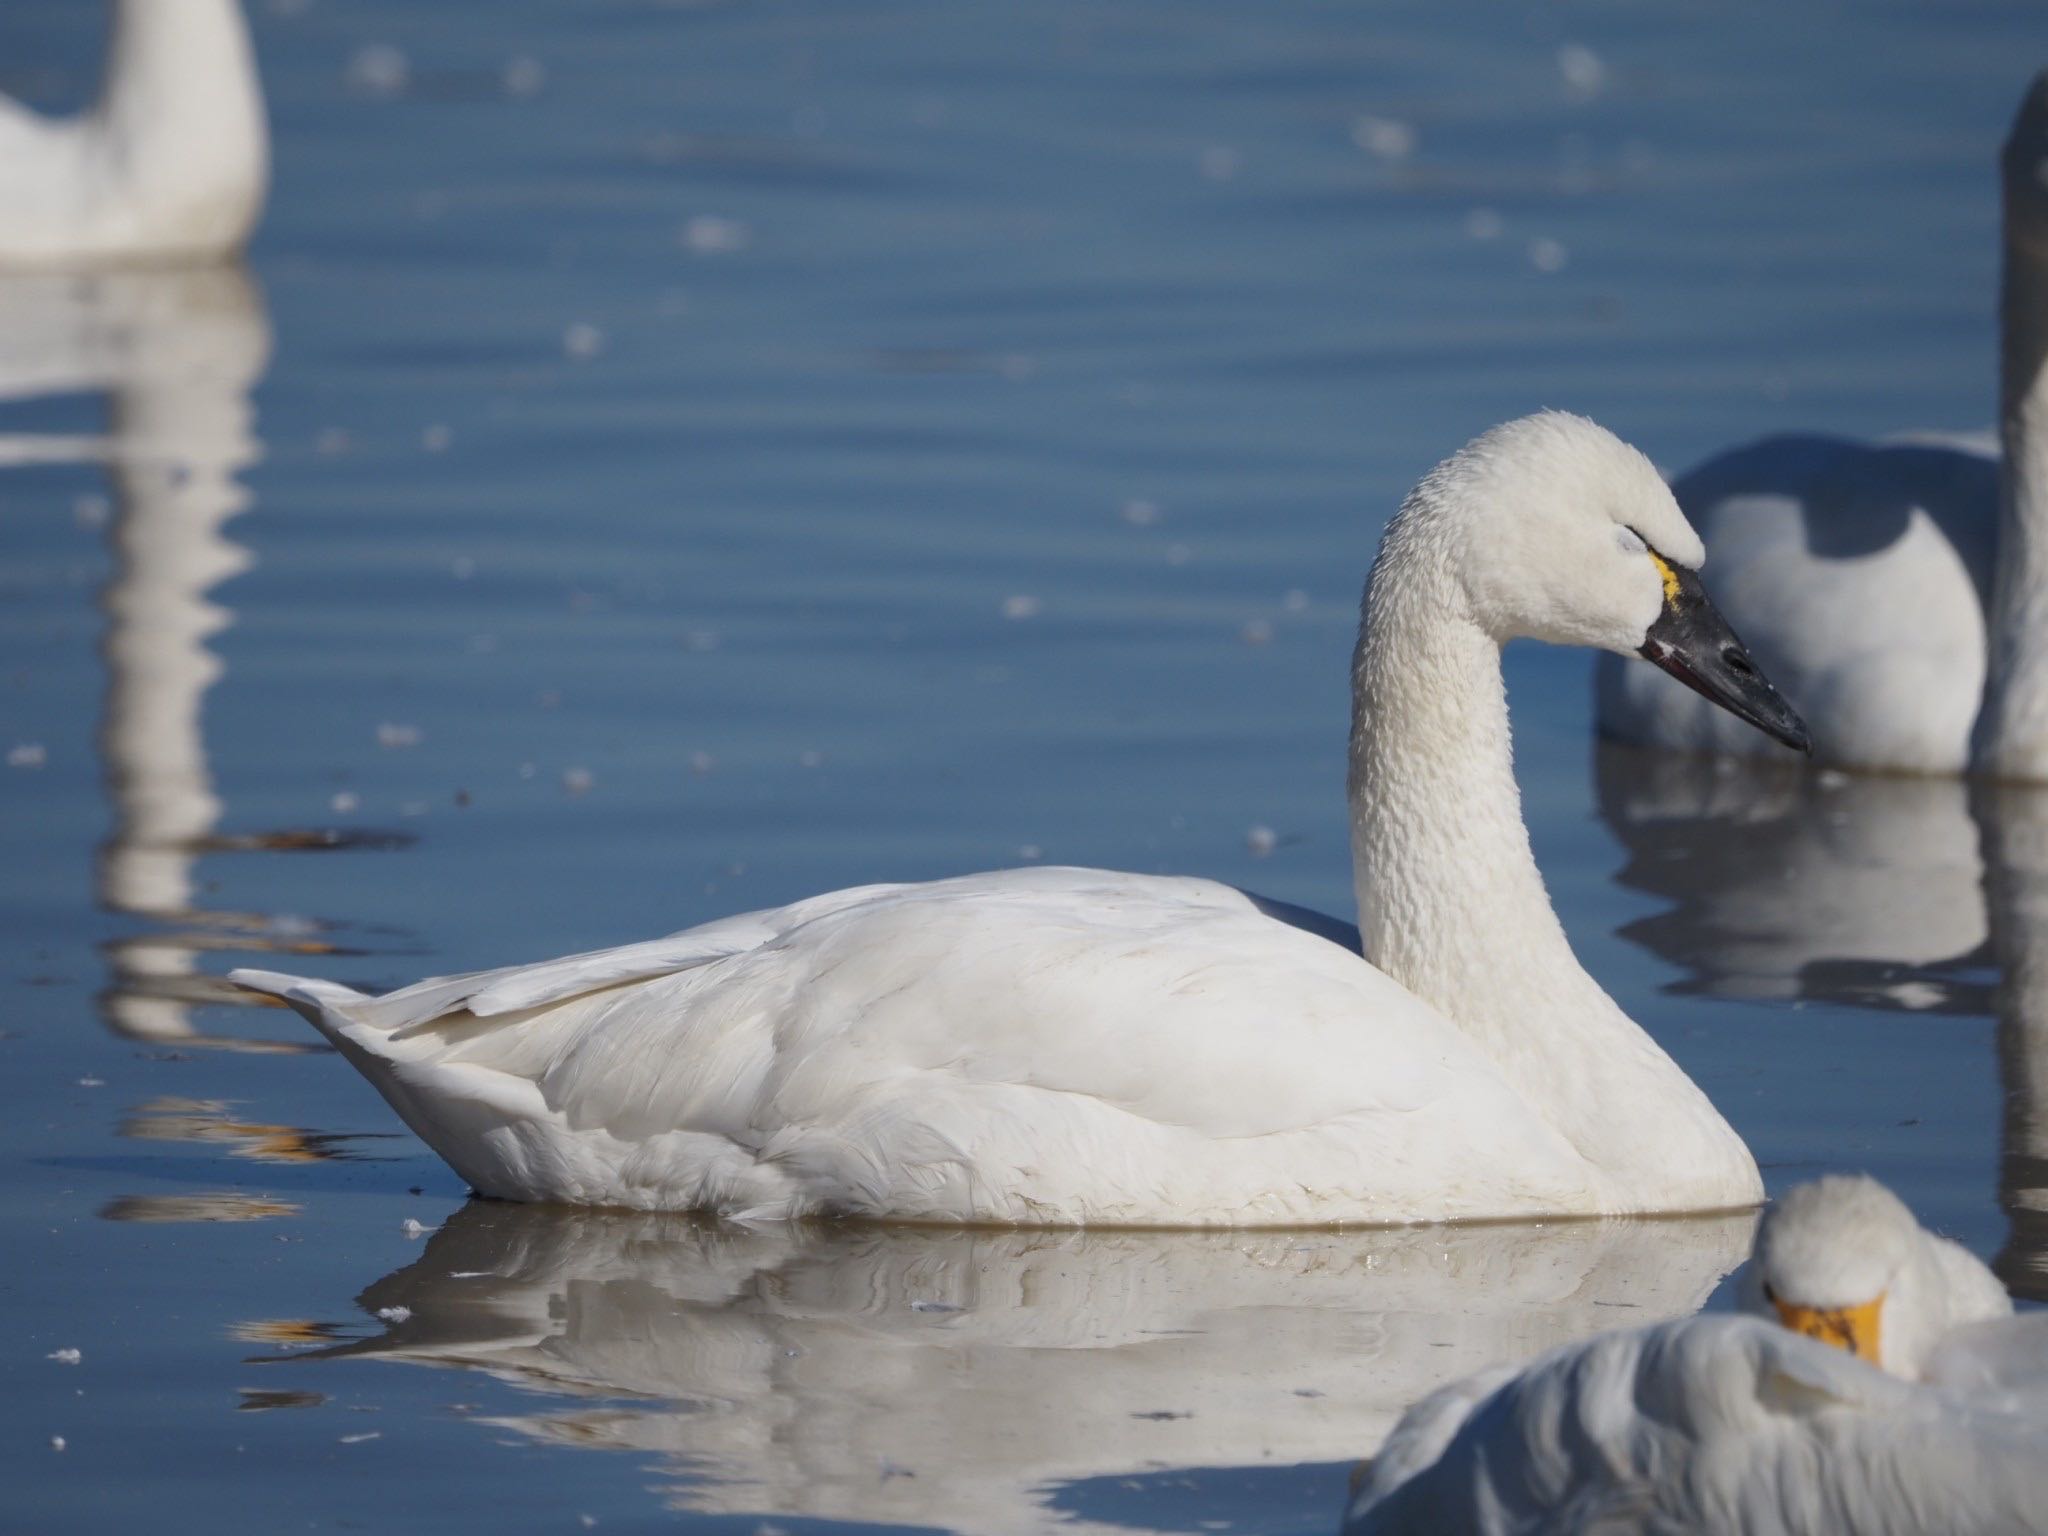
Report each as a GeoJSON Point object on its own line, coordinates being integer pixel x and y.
{"type": "Point", "coordinates": [1922, 895]}
{"type": "Point", "coordinates": [176, 353]}
{"type": "Point", "coordinates": [960, 1378]}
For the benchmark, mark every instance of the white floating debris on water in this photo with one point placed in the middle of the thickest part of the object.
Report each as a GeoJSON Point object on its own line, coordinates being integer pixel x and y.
{"type": "Point", "coordinates": [57, 1442]}
{"type": "Point", "coordinates": [1484, 224]}
{"type": "Point", "coordinates": [345, 802]}
{"type": "Point", "coordinates": [524, 76]}
{"type": "Point", "coordinates": [358, 1439]}
{"type": "Point", "coordinates": [415, 1229]}
{"type": "Point", "coordinates": [393, 736]}
{"type": "Point", "coordinates": [1261, 840]}
{"type": "Point", "coordinates": [1220, 162]}
{"type": "Point", "coordinates": [1294, 600]}
{"type": "Point", "coordinates": [1548, 255]}
{"type": "Point", "coordinates": [1256, 632]}
{"type": "Point", "coordinates": [394, 1314]}
{"type": "Point", "coordinates": [702, 762]}
{"type": "Point", "coordinates": [582, 340]}
{"type": "Point", "coordinates": [710, 235]}
{"type": "Point", "coordinates": [588, 1522]}
{"type": "Point", "coordinates": [64, 1356]}
{"type": "Point", "coordinates": [27, 754]}
{"type": "Point", "coordinates": [1384, 138]}
{"type": "Point", "coordinates": [379, 69]}
{"type": "Point", "coordinates": [1831, 778]}
{"type": "Point", "coordinates": [936, 1306]}
{"type": "Point", "coordinates": [437, 437]}
{"type": "Point", "coordinates": [1140, 513]}
{"type": "Point", "coordinates": [578, 781]}
{"type": "Point", "coordinates": [1584, 72]}
{"type": "Point", "coordinates": [1022, 605]}
{"type": "Point", "coordinates": [92, 1082]}
{"type": "Point", "coordinates": [91, 510]}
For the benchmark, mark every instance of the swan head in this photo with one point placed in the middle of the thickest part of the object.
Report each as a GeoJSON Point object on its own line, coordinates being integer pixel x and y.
{"type": "Point", "coordinates": [1568, 535]}
{"type": "Point", "coordinates": [1837, 1260]}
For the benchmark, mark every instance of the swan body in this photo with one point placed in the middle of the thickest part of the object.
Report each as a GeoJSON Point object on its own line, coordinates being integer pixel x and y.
{"type": "Point", "coordinates": [1058, 1046]}
{"type": "Point", "coordinates": [169, 165]}
{"type": "Point", "coordinates": [1882, 1387]}
{"type": "Point", "coordinates": [1895, 588]}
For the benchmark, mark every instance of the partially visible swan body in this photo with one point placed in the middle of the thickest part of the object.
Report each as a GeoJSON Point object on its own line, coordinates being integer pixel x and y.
{"type": "Point", "coordinates": [169, 165]}
{"type": "Point", "coordinates": [1064, 1046]}
{"type": "Point", "coordinates": [1891, 1391]}
{"type": "Point", "coordinates": [1896, 589]}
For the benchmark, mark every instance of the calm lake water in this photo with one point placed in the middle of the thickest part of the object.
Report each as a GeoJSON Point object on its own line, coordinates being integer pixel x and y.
{"type": "Point", "coordinates": [671, 458]}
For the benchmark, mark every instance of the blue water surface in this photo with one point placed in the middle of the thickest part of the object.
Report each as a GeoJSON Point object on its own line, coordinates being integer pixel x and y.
{"type": "Point", "coordinates": [669, 458]}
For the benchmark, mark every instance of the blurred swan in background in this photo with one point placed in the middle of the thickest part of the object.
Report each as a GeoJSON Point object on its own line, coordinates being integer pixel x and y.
{"type": "Point", "coordinates": [170, 164]}
{"type": "Point", "coordinates": [1062, 1046]}
{"type": "Point", "coordinates": [1880, 1385]}
{"type": "Point", "coordinates": [1861, 575]}
{"type": "Point", "coordinates": [1920, 895]}
{"type": "Point", "coordinates": [963, 1380]}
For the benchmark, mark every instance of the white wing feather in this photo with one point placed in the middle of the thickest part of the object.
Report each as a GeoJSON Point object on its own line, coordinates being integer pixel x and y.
{"type": "Point", "coordinates": [1031, 1045]}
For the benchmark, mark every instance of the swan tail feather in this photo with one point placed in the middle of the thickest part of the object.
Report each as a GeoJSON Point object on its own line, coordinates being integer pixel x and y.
{"type": "Point", "coordinates": [322, 1004]}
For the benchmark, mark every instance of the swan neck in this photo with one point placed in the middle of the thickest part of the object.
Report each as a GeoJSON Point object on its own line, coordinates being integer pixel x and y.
{"type": "Point", "coordinates": [181, 97]}
{"type": "Point", "coordinates": [1452, 906]}
{"type": "Point", "coordinates": [1448, 889]}
{"type": "Point", "coordinates": [2013, 733]}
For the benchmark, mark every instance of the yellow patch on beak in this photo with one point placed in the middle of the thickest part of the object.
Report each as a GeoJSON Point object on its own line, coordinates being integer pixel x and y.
{"type": "Point", "coordinates": [1852, 1328]}
{"type": "Point", "coordinates": [1670, 576]}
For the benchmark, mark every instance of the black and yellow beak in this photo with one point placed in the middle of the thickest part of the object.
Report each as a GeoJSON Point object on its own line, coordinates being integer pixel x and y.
{"type": "Point", "coordinates": [1692, 642]}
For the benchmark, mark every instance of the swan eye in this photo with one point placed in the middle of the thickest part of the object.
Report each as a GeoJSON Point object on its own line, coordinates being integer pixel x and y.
{"type": "Point", "coordinates": [1770, 1293]}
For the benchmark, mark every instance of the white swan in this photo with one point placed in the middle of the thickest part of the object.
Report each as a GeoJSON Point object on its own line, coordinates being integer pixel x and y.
{"type": "Point", "coordinates": [170, 164]}
{"type": "Point", "coordinates": [1861, 575]}
{"type": "Point", "coordinates": [1000, 1373]}
{"type": "Point", "coordinates": [1050, 1046]}
{"type": "Point", "coordinates": [1890, 1391]}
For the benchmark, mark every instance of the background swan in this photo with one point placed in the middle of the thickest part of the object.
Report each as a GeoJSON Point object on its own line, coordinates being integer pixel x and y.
{"type": "Point", "coordinates": [1074, 1046]}
{"type": "Point", "coordinates": [1889, 1391]}
{"type": "Point", "coordinates": [783, 1369]}
{"type": "Point", "coordinates": [1862, 574]}
{"type": "Point", "coordinates": [170, 164]}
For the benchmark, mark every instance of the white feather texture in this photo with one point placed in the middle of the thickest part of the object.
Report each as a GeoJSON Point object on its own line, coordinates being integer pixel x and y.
{"type": "Point", "coordinates": [1861, 575]}
{"type": "Point", "coordinates": [1066, 1046]}
{"type": "Point", "coordinates": [170, 164]}
{"type": "Point", "coordinates": [1741, 1427]}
